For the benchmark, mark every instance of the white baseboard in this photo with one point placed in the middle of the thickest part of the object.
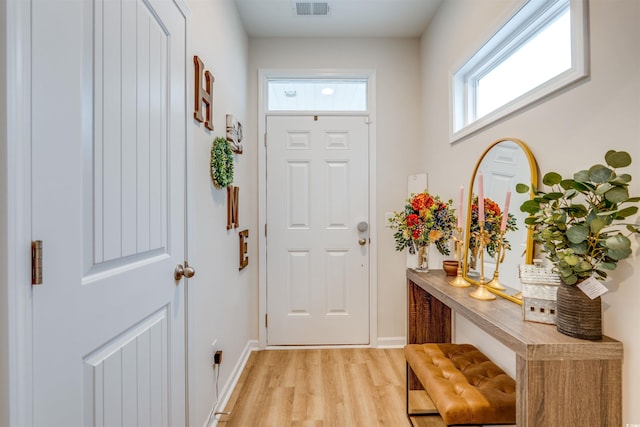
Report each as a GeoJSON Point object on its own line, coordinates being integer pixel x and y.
{"type": "Point", "coordinates": [227, 390]}
{"type": "Point", "coordinates": [391, 342]}
{"type": "Point", "coordinates": [384, 342]}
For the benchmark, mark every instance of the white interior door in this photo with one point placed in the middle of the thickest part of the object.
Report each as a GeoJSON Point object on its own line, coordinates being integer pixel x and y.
{"type": "Point", "coordinates": [503, 167]}
{"type": "Point", "coordinates": [108, 185]}
{"type": "Point", "coordinates": [317, 258]}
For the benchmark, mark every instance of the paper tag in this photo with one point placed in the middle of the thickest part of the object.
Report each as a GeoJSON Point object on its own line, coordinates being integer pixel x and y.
{"type": "Point", "coordinates": [592, 288]}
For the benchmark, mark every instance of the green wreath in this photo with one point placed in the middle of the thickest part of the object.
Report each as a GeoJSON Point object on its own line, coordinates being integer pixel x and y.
{"type": "Point", "coordinates": [221, 163]}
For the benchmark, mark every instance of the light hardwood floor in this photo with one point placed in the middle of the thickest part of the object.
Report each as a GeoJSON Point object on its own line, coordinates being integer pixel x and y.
{"type": "Point", "coordinates": [321, 388]}
{"type": "Point", "coordinates": [325, 387]}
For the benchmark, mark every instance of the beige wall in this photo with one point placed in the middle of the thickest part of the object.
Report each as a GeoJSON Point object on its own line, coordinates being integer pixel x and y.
{"type": "Point", "coordinates": [567, 132]}
{"type": "Point", "coordinates": [4, 286]}
{"type": "Point", "coordinates": [396, 62]}
{"type": "Point", "coordinates": [225, 299]}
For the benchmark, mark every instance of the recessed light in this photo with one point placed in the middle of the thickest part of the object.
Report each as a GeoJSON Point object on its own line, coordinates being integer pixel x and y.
{"type": "Point", "coordinates": [327, 91]}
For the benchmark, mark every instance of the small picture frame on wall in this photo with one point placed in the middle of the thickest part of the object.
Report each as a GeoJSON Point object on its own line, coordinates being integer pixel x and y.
{"type": "Point", "coordinates": [234, 134]}
{"type": "Point", "coordinates": [244, 249]}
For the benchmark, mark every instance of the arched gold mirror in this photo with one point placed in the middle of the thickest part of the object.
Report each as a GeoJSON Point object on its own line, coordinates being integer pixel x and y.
{"type": "Point", "coordinates": [505, 163]}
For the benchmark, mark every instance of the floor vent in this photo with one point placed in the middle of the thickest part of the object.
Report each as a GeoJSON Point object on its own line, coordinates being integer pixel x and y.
{"type": "Point", "coordinates": [307, 8]}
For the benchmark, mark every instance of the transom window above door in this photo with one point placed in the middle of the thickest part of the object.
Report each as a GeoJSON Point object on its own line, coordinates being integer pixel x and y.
{"type": "Point", "coordinates": [317, 95]}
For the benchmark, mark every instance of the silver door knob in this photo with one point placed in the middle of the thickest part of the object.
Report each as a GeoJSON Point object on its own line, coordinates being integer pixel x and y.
{"type": "Point", "coordinates": [362, 242]}
{"type": "Point", "coordinates": [180, 271]}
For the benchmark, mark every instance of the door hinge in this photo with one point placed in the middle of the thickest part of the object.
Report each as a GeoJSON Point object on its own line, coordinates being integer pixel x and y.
{"type": "Point", "coordinates": [266, 320]}
{"type": "Point", "coordinates": [265, 230]}
{"type": "Point", "coordinates": [265, 139]}
{"type": "Point", "coordinates": [36, 262]}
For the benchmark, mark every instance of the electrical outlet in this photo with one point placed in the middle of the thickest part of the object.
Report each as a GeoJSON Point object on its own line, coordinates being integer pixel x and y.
{"type": "Point", "coordinates": [217, 357]}
{"type": "Point", "coordinates": [214, 349]}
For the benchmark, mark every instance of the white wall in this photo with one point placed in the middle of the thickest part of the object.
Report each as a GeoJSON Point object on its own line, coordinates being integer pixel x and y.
{"type": "Point", "coordinates": [225, 298]}
{"type": "Point", "coordinates": [396, 62]}
{"type": "Point", "coordinates": [566, 133]}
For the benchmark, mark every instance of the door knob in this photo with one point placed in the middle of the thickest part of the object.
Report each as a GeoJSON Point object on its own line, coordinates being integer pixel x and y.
{"type": "Point", "coordinates": [362, 242]}
{"type": "Point", "coordinates": [180, 271]}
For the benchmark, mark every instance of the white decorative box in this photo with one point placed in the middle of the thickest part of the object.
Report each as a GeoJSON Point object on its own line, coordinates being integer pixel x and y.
{"type": "Point", "coordinates": [539, 288]}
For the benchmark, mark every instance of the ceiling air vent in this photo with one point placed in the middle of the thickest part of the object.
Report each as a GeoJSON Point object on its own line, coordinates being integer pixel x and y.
{"type": "Point", "coordinates": [311, 8]}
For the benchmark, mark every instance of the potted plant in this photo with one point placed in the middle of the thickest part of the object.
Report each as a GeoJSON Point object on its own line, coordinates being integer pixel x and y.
{"type": "Point", "coordinates": [580, 225]}
{"type": "Point", "coordinates": [425, 219]}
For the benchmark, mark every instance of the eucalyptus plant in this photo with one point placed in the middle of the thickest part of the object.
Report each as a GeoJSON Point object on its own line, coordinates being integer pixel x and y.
{"type": "Point", "coordinates": [581, 222]}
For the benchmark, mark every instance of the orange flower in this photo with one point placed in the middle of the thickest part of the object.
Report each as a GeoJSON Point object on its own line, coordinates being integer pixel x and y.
{"type": "Point", "coordinates": [421, 201]}
{"type": "Point", "coordinates": [492, 207]}
{"type": "Point", "coordinates": [434, 235]}
{"type": "Point", "coordinates": [425, 213]}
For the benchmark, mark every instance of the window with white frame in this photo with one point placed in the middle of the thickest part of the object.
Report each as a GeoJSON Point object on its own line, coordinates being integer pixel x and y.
{"type": "Point", "coordinates": [542, 48]}
{"type": "Point", "coordinates": [336, 94]}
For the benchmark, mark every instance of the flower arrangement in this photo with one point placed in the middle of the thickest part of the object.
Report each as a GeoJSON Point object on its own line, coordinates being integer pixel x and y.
{"type": "Point", "coordinates": [425, 219]}
{"type": "Point", "coordinates": [492, 219]}
{"type": "Point", "coordinates": [579, 222]}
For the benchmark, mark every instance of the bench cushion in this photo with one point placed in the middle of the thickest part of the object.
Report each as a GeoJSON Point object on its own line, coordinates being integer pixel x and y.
{"type": "Point", "coordinates": [465, 386]}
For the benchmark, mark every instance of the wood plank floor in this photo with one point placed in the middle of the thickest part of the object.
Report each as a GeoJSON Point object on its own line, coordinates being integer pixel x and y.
{"type": "Point", "coordinates": [321, 388]}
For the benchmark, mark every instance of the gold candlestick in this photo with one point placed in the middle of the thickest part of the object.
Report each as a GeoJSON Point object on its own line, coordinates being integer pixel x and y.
{"type": "Point", "coordinates": [495, 282]}
{"type": "Point", "coordinates": [482, 293]}
{"type": "Point", "coordinates": [459, 281]}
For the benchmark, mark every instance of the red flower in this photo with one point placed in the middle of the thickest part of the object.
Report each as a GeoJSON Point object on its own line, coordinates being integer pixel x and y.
{"type": "Point", "coordinates": [413, 220]}
{"type": "Point", "coordinates": [416, 233]}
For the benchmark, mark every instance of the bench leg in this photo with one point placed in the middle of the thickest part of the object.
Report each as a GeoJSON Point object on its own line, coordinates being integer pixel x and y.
{"type": "Point", "coordinates": [406, 388]}
{"type": "Point", "coordinates": [423, 411]}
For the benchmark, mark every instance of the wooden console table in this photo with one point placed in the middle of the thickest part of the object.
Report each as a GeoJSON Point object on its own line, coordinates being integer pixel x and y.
{"type": "Point", "coordinates": [561, 381]}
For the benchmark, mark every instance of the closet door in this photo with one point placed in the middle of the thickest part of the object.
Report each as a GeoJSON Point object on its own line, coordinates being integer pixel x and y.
{"type": "Point", "coordinates": [108, 185]}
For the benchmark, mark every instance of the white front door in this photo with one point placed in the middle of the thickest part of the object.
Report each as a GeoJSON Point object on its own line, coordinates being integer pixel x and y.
{"type": "Point", "coordinates": [317, 258]}
{"type": "Point", "coordinates": [503, 167]}
{"type": "Point", "coordinates": [108, 184]}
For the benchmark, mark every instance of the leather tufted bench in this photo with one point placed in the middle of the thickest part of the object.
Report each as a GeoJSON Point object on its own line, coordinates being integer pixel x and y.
{"type": "Point", "coordinates": [464, 385]}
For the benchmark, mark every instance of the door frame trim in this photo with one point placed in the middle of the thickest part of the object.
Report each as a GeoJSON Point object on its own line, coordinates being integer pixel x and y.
{"type": "Point", "coordinates": [17, 214]}
{"type": "Point", "coordinates": [189, 217]}
{"type": "Point", "coordinates": [263, 76]}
